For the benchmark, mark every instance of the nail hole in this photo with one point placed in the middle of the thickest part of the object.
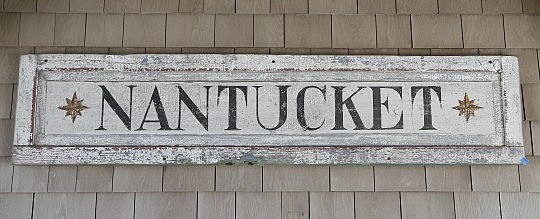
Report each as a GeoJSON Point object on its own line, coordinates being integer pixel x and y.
{"type": "Point", "coordinates": [388, 158]}
{"type": "Point", "coordinates": [490, 61]}
{"type": "Point", "coordinates": [164, 158]}
{"type": "Point", "coordinates": [45, 60]}
{"type": "Point", "coordinates": [273, 61]}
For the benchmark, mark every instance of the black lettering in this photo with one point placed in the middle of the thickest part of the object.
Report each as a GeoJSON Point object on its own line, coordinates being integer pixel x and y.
{"type": "Point", "coordinates": [377, 108]}
{"type": "Point", "coordinates": [183, 97]}
{"type": "Point", "coordinates": [300, 113]}
{"type": "Point", "coordinates": [426, 91]}
{"type": "Point", "coordinates": [107, 96]}
{"type": "Point", "coordinates": [232, 103]}
{"type": "Point", "coordinates": [162, 118]}
{"type": "Point", "coordinates": [282, 106]}
{"type": "Point", "coordinates": [338, 109]}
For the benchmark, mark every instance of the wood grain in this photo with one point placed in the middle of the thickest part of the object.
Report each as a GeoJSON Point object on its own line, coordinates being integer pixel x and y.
{"type": "Point", "coordinates": [6, 174]}
{"type": "Point", "coordinates": [420, 205]}
{"type": "Point", "coordinates": [331, 205]}
{"type": "Point", "coordinates": [520, 205]}
{"type": "Point", "coordinates": [115, 205]}
{"type": "Point", "coordinates": [400, 178]}
{"type": "Point", "coordinates": [495, 178]}
{"type": "Point", "coordinates": [239, 178]}
{"type": "Point", "coordinates": [64, 205]}
{"type": "Point", "coordinates": [62, 179]}
{"type": "Point", "coordinates": [377, 205]}
{"type": "Point", "coordinates": [16, 205]}
{"type": "Point", "coordinates": [30, 178]}
{"type": "Point", "coordinates": [216, 205]}
{"type": "Point", "coordinates": [457, 140]}
{"type": "Point", "coordinates": [137, 179]}
{"type": "Point", "coordinates": [477, 205]}
{"type": "Point", "coordinates": [265, 205]}
{"type": "Point", "coordinates": [352, 178]}
{"type": "Point", "coordinates": [448, 178]}
{"type": "Point", "coordinates": [94, 178]}
{"type": "Point", "coordinates": [189, 178]}
{"type": "Point", "coordinates": [295, 205]}
{"type": "Point", "coordinates": [296, 178]}
{"type": "Point", "coordinates": [166, 205]}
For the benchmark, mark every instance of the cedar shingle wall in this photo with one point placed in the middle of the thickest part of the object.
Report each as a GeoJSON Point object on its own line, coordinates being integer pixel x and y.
{"type": "Point", "coordinates": [359, 27]}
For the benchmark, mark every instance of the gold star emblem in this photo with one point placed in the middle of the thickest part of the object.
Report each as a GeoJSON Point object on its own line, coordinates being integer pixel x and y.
{"type": "Point", "coordinates": [74, 107]}
{"type": "Point", "coordinates": [466, 107]}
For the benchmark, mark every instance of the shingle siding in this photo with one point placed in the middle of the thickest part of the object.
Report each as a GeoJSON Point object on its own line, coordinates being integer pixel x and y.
{"type": "Point", "coordinates": [363, 27]}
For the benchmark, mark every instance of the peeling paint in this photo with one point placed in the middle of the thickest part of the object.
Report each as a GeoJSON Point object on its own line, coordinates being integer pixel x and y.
{"type": "Point", "coordinates": [34, 145]}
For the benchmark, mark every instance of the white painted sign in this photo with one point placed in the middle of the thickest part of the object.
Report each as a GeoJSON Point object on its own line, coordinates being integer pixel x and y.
{"type": "Point", "coordinates": [206, 109]}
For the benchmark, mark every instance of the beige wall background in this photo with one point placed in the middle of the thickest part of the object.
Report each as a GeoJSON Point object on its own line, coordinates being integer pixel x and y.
{"type": "Point", "coordinates": [355, 27]}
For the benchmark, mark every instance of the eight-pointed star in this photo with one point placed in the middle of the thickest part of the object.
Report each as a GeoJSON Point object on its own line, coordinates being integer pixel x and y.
{"type": "Point", "coordinates": [74, 107]}
{"type": "Point", "coordinates": [466, 107]}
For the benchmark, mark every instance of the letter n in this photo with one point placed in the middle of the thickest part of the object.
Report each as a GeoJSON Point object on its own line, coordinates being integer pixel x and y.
{"type": "Point", "coordinates": [107, 97]}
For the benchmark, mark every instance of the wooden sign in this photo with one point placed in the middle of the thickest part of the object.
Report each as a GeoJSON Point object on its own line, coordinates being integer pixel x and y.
{"type": "Point", "coordinates": [268, 109]}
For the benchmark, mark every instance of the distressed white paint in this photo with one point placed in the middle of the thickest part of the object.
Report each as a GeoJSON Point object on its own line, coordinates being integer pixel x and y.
{"type": "Point", "coordinates": [25, 109]}
{"type": "Point", "coordinates": [511, 96]}
{"type": "Point", "coordinates": [492, 136]}
{"type": "Point", "coordinates": [451, 129]}
{"type": "Point", "coordinates": [267, 155]}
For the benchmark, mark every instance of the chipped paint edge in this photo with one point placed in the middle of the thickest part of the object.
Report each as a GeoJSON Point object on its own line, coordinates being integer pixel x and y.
{"type": "Point", "coordinates": [26, 101]}
{"type": "Point", "coordinates": [511, 97]}
{"type": "Point", "coordinates": [30, 154]}
{"type": "Point", "coordinates": [23, 155]}
{"type": "Point", "coordinates": [265, 63]}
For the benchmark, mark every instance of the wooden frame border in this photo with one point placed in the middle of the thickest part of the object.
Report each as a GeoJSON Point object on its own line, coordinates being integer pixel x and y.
{"type": "Point", "coordinates": [26, 153]}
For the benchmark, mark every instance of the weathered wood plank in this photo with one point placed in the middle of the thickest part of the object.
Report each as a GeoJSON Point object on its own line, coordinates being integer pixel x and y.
{"type": "Point", "coordinates": [216, 205]}
{"type": "Point", "coordinates": [264, 205]}
{"type": "Point", "coordinates": [94, 179]}
{"type": "Point", "coordinates": [352, 178]}
{"type": "Point", "coordinates": [331, 205]}
{"type": "Point", "coordinates": [264, 155]}
{"type": "Point", "coordinates": [239, 178]}
{"type": "Point", "coordinates": [497, 178]}
{"type": "Point", "coordinates": [64, 205]}
{"type": "Point", "coordinates": [189, 178]}
{"type": "Point", "coordinates": [26, 88]}
{"type": "Point", "coordinates": [454, 142]}
{"type": "Point", "coordinates": [295, 205]}
{"type": "Point", "coordinates": [377, 205]}
{"type": "Point", "coordinates": [530, 175]}
{"type": "Point", "coordinates": [62, 179]}
{"type": "Point", "coordinates": [16, 205]}
{"type": "Point", "coordinates": [14, 102]}
{"type": "Point", "coordinates": [512, 110]}
{"type": "Point", "coordinates": [296, 178]}
{"type": "Point", "coordinates": [6, 136]}
{"type": "Point", "coordinates": [212, 62]}
{"type": "Point", "coordinates": [448, 178]}
{"type": "Point", "coordinates": [115, 205]}
{"type": "Point", "coordinates": [527, 137]}
{"type": "Point", "coordinates": [6, 91]}
{"type": "Point", "coordinates": [400, 178]}
{"type": "Point", "coordinates": [520, 205]}
{"type": "Point", "coordinates": [477, 205]}
{"type": "Point", "coordinates": [419, 205]}
{"type": "Point", "coordinates": [166, 205]}
{"type": "Point", "coordinates": [137, 179]}
{"type": "Point", "coordinates": [30, 178]}
{"type": "Point", "coordinates": [52, 128]}
{"type": "Point", "coordinates": [6, 174]}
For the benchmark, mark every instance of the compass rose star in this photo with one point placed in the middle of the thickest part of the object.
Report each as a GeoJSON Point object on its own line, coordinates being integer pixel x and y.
{"type": "Point", "coordinates": [74, 107]}
{"type": "Point", "coordinates": [466, 107]}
